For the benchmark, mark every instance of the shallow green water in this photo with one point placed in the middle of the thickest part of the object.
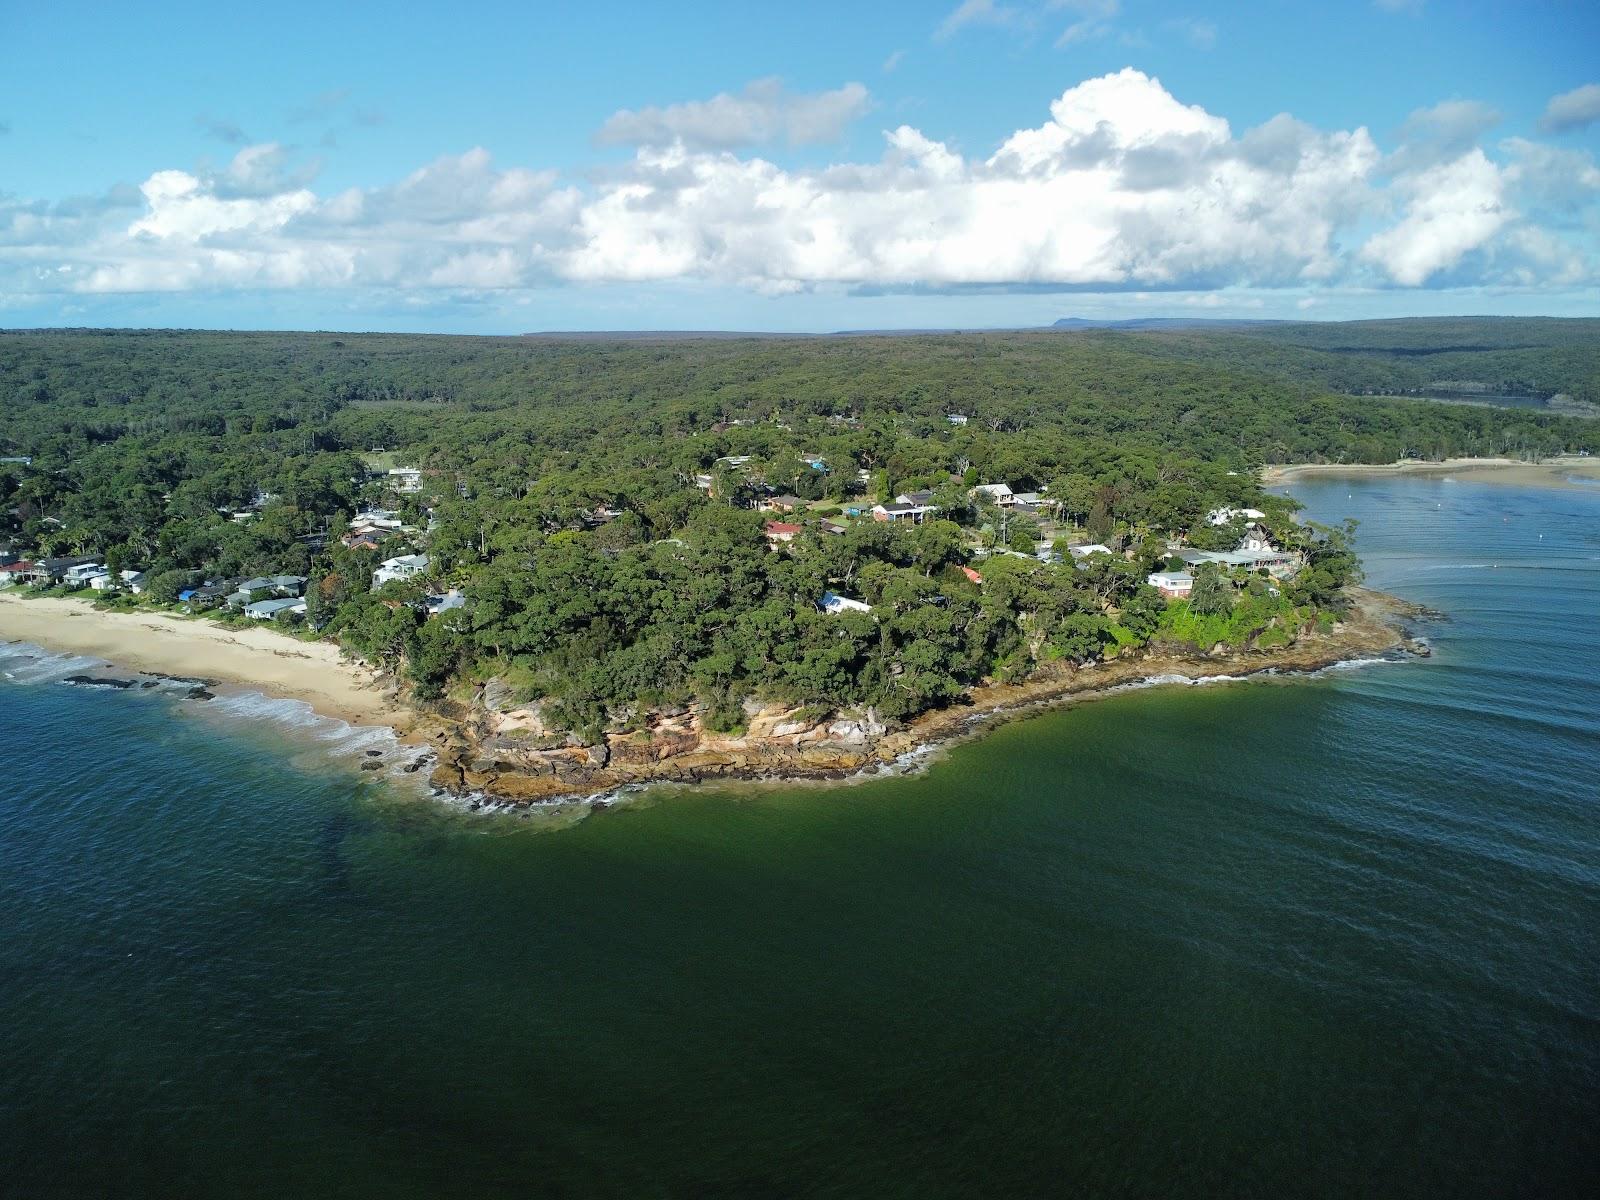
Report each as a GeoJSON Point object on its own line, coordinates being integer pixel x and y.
{"type": "Point", "coordinates": [1318, 937]}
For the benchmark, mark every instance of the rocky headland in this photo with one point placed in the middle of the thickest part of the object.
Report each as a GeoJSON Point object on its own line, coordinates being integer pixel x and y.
{"type": "Point", "coordinates": [503, 751]}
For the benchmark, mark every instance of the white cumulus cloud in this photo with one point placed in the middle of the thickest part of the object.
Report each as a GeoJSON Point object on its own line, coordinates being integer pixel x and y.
{"type": "Point", "coordinates": [1452, 208]}
{"type": "Point", "coordinates": [1121, 186]}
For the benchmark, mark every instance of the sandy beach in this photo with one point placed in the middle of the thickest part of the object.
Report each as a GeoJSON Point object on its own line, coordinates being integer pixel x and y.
{"type": "Point", "coordinates": [1569, 471]}
{"type": "Point", "coordinates": [258, 658]}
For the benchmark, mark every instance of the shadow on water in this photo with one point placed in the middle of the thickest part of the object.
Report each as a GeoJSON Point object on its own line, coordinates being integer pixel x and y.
{"type": "Point", "coordinates": [333, 877]}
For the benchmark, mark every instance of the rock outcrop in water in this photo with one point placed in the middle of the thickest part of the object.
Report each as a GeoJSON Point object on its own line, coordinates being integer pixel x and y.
{"type": "Point", "coordinates": [510, 754]}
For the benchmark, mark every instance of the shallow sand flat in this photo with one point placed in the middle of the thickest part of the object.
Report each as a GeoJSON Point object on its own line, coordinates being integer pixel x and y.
{"type": "Point", "coordinates": [314, 672]}
{"type": "Point", "coordinates": [1571, 471]}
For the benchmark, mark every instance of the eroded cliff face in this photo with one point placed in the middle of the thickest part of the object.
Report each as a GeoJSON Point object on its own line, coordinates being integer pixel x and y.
{"type": "Point", "coordinates": [514, 756]}
{"type": "Point", "coordinates": [511, 753]}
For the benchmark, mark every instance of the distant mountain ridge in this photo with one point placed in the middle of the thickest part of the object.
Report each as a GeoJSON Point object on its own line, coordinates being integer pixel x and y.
{"type": "Point", "coordinates": [1071, 323]}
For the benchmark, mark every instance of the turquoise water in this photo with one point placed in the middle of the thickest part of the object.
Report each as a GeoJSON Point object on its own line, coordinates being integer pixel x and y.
{"type": "Point", "coordinates": [1337, 937]}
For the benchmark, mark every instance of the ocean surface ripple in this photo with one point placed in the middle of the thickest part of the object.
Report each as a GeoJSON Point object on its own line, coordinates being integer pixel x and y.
{"type": "Point", "coordinates": [1286, 937]}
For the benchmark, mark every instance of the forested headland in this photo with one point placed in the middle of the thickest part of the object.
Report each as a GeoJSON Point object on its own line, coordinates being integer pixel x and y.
{"type": "Point", "coordinates": [605, 510]}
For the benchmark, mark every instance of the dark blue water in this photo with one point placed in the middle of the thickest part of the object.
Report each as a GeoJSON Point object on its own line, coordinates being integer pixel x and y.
{"type": "Point", "coordinates": [1334, 937]}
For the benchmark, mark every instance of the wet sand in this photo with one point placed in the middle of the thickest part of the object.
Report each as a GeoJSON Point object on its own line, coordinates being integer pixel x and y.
{"type": "Point", "coordinates": [1569, 471]}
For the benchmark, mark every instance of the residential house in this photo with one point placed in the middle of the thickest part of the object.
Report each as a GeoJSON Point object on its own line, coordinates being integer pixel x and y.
{"type": "Point", "coordinates": [14, 572]}
{"type": "Point", "coordinates": [901, 512]}
{"type": "Point", "coordinates": [405, 480]}
{"type": "Point", "coordinates": [783, 504]}
{"type": "Point", "coordinates": [832, 602]}
{"type": "Point", "coordinates": [80, 575]}
{"type": "Point", "coordinates": [924, 498]}
{"type": "Point", "coordinates": [49, 571]}
{"type": "Point", "coordinates": [248, 590]}
{"type": "Point", "coordinates": [272, 587]}
{"type": "Point", "coordinates": [1256, 539]}
{"type": "Point", "coordinates": [957, 419]}
{"type": "Point", "coordinates": [366, 539]}
{"type": "Point", "coordinates": [1081, 552]}
{"type": "Point", "coordinates": [1034, 503]}
{"type": "Point", "coordinates": [1278, 563]}
{"type": "Point", "coordinates": [972, 575]}
{"type": "Point", "coordinates": [1174, 585]}
{"type": "Point", "coordinates": [444, 602]}
{"type": "Point", "coordinates": [267, 610]}
{"type": "Point", "coordinates": [832, 527]}
{"type": "Point", "coordinates": [999, 493]}
{"type": "Point", "coordinates": [211, 593]}
{"type": "Point", "coordinates": [780, 533]}
{"type": "Point", "coordinates": [374, 519]}
{"type": "Point", "coordinates": [404, 567]}
{"type": "Point", "coordinates": [1221, 516]}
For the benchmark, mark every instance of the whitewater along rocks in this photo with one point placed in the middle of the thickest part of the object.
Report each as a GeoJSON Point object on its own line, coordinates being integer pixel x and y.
{"type": "Point", "coordinates": [509, 753]}
{"type": "Point", "coordinates": [100, 681]}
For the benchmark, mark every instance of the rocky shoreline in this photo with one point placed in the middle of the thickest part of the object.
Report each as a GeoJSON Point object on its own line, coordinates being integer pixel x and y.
{"type": "Point", "coordinates": [504, 755]}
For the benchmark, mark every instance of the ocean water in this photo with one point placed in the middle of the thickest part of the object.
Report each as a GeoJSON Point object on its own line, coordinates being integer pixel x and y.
{"type": "Point", "coordinates": [1318, 937]}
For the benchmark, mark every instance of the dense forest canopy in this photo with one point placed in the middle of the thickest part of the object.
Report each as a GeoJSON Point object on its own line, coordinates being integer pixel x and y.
{"type": "Point", "coordinates": [1542, 357]}
{"type": "Point", "coordinates": [579, 493]}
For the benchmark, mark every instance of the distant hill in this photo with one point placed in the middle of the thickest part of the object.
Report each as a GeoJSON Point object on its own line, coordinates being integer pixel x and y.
{"type": "Point", "coordinates": [1070, 323]}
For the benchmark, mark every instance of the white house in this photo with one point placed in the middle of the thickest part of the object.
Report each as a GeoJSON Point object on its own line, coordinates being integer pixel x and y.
{"type": "Point", "coordinates": [1256, 540]}
{"type": "Point", "coordinates": [832, 602]}
{"type": "Point", "coordinates": [403, 567]}
{"type": "Point", "coordinates": [132, 580]}
{"type": "Point", "coordinates": [1174, 585]}
{"type": "Point", "coordinates": [1221, 516]}
{"type": "Point", "coordinates": [81, 575]}
{"type": "Point", "coordinates": [266, 610]}
{"type": "Point", "coordinates": [376, 518]}
{"type": "Point", "coordinates": [1000, 493]}
{"type": "Point", "coordinates": [957, 418]}
{"type": "Point", "coordinates": [1086, 551]}
{"type": "Point", "coordinates": [406, 480]}
{"type": "Point", "coordinates": [913, 514]}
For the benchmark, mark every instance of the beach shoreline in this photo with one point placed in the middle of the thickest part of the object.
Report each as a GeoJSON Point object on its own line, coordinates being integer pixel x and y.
{"type": "Point", "coordinates": [474, 761]}
{"type": "Point", "coordinates": [1559, 472]}
{"type": "Point", "coordinates": [261, 659]}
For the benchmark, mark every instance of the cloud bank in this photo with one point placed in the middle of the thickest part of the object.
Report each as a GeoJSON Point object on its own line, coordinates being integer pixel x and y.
{"type": "Point", "coordinates": [1123, 187]}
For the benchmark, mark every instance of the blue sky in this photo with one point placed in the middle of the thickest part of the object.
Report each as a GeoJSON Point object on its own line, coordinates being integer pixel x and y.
{"type": "Point", "coordinates": [497, 167]}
